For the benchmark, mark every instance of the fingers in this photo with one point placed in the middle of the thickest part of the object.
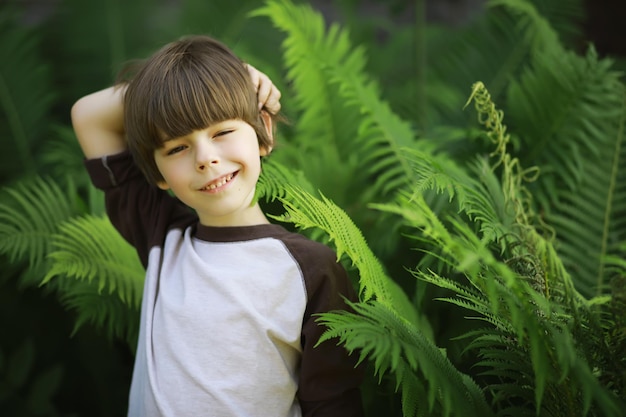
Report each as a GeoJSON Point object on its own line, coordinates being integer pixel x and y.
{"type": "Point", "coordinates": [267, 93]}
{"type": "Point", "coordinates": [254, 76]}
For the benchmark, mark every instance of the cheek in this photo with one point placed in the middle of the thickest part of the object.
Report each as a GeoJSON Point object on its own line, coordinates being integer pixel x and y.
{"type": "Point", "coordinates": [158, 162]}
{"type": "Point", "coordinates": [242, 152]}
{"type": "Point", "coordinates": [254, 160]}
{"type": "Point", "coordinates": [170, 170]}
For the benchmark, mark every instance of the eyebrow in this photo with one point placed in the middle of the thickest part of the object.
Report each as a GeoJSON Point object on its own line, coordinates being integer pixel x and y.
{"type": "Point", "coordinates": [162, 139]}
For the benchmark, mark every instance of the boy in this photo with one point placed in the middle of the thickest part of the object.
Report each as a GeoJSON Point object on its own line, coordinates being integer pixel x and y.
{"type": "Point", "coordinates": [229, 303]}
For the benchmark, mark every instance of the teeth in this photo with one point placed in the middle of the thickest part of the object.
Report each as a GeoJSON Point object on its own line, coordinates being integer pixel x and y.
{"type": "Point", "coordinates": [219, 183]}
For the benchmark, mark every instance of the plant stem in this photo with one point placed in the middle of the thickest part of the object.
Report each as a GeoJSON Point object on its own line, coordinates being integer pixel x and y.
{"type": "Point", "coordinates": [617, 154]}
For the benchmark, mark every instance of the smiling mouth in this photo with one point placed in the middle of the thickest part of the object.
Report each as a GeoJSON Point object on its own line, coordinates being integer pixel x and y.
{"type": "Point", "coordinates": [219, 183]}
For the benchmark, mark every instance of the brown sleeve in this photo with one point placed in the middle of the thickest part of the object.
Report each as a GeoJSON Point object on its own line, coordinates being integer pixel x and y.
{"type": "Point", "coordinates": [141, 213]}
{"type": "Point", "coordinates": [329, 379]}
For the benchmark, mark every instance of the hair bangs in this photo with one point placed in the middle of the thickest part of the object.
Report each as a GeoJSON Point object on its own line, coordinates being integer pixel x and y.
{"type": "Point", "coordinates": [194, 96]}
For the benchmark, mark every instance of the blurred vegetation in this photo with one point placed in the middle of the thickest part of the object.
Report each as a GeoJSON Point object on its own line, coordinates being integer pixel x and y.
{"type": "Point", "coordinates": [515, 217]}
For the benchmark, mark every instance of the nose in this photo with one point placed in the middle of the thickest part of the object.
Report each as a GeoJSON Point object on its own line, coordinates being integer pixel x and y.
{"type": "Point", "coordinates": [206, 156]}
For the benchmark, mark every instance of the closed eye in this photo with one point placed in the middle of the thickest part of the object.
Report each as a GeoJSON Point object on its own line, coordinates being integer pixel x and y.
{"type": "Point", "coordinates": [224, 132]}
{"type": "Point", "coordinates": [175, 150]}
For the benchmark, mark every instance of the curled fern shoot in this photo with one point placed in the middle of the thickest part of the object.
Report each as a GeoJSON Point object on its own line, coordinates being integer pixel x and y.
{"type": "Point", "coordinates": [514, 191]}
{"type": "Point", "coordinates": [513, 175]}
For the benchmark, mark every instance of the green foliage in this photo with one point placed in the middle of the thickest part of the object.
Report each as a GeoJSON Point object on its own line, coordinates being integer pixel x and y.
{"type": "Point", "coordinates": [576, 134]}
{"type": "Point", "coordinates": [526, 298]}
{"type": "Point", "coordinates": [377, 332]}
{"type": "Point", "coordinates": [30, 214]}
{"type": "Point", "coordinates": [23, 393]}
{"type": "Point", "coordinates": [521, 233]}
{"type": "Point", "coordinates": [274, 179]}
{"type": "Point", "coordinates": [518, 284]}
{"type": "Point", "coordinates": [39, 227]}
{"type": "Point", "coordinates": [90, 249]}
{"type": "Point", "coordinates": [347, 140]}
{"type": "Point", "coordinates": [307, 211]}
{"type": "Point", "coordinates": [25, 96]}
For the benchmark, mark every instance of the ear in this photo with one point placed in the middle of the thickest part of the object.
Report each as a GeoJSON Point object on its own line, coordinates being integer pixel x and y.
{"type": "Point", "coordinates": [163, 185]}
{"type": "Point", "coordinates": [269, 128]}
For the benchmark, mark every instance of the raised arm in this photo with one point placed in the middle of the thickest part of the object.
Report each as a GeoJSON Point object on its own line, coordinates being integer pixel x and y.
{"type": "Point", "coordinates": [98, 121]}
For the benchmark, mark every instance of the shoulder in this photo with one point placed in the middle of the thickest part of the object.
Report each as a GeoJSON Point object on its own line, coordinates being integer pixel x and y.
{"type": "Point", "coordinates": [324, 276]}
{"type": "Point", "coordinates": [307, 252]}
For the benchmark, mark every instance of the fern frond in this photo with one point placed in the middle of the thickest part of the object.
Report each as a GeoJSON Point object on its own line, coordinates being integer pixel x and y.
{"type": "Point", "coordinates": [479, 196]}
{"type": "Point", "coordinates": [571, 133]}
{"type": "Point", "coordinates": [107, 312]}
{"type": "Point", "coordinates": [25, 97]}
{"type": "Point", "coordinates": [436, 172]}
{"type": "Point", "coordinates": [62, 157]}
{"type": "Point", "coordinates": [318, 57]}
{"type": "Point", "coordinates": [377, 332]}
{"type": "Point", "coordinates": [306, 211]}
{"type": "Point", "coordinates": [447, 283]}
{"type": "Point", "coordinates": [325, 121]}
{"type": "Point", "coordinates": [30, 213]}
{"type": "Point", "coordinates": [537, 325]}
{"type": "Point", "coordinates": [536, 29]}
{"type": "Point", "coordinates": [89, 248]}
{"type": "Point", "coordinates": [276, 177]}
{"type": "Point", "coordinates": [454, 59]}
{"type": "Point", "coordinates": [579, 146]}
{"type": "Point", "coordinates": [96, 274]}
{"type": "Point", "coordinates": [517, 201]}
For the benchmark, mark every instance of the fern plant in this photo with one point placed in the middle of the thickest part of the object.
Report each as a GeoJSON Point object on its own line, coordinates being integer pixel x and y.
{"type": "Point", "coordinates": [25, 96]}
{"type": "Point", "coordinates": [535, 359]}
{"type": "Point", "coordinates": [575, 135]}
{"type": "Point", "coordinates": [382, 329]}
{"type": "Point", "coordinates": [347, 140]}
{"type": "Point", "coordinates": [510, 294]}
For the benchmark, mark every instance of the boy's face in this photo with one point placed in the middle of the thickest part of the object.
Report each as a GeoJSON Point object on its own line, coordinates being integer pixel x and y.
{"type": "Point", "coordinates": [215, 171]}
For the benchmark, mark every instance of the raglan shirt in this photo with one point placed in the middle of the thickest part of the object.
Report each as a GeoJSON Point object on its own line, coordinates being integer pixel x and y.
{"type": "Point", "coordinates": [228, 313]}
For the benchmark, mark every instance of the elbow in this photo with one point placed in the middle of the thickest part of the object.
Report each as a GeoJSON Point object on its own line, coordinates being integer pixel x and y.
{"type": "Point", "coordinates": [77, 112]}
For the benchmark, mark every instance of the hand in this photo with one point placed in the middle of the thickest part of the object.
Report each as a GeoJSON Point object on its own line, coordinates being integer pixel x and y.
{"type": "Point", "coordinates": [267, 93]}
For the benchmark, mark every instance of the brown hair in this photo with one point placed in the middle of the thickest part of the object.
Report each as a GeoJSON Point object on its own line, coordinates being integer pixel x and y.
{"type": "Point", "coordinates": [187, 85]}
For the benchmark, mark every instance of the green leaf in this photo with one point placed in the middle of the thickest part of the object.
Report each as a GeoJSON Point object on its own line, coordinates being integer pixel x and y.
{"type": "Point", "coordinates": [30, 214]}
